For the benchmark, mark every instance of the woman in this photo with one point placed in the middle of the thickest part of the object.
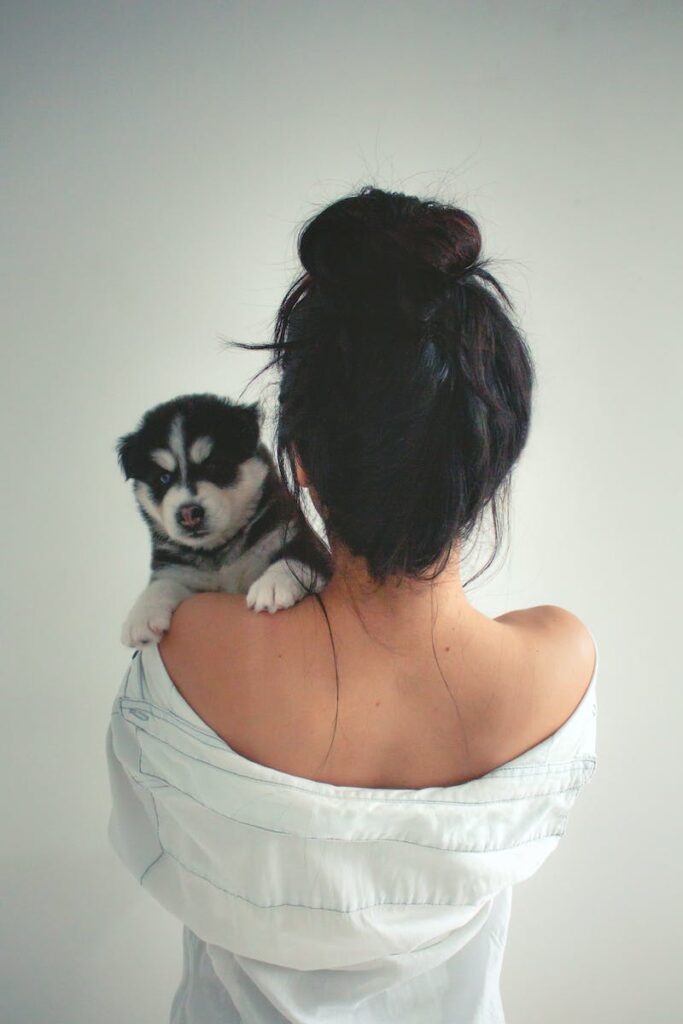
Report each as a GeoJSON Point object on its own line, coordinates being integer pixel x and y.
{"type": "Point", "coordinates": [337, 799]}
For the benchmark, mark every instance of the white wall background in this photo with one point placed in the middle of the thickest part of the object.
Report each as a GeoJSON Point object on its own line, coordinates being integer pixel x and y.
{"type": "Point", "coordinates": [158, 159]}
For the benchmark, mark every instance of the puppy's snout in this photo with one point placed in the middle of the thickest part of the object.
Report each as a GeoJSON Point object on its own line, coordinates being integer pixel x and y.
{"type": "Point", "coordinates": [190, 516]}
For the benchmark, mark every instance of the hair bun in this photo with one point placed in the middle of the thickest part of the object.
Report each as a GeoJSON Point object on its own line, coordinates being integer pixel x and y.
{"type": "Point", "coordinates": [375, 239]}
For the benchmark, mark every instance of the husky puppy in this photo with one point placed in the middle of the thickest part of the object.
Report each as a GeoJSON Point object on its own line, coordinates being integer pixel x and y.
{"type": "Point", "coordinates": [219, 515]}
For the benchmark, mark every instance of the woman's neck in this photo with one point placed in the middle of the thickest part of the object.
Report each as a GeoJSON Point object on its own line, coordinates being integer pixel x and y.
{"type": "Point", "coordinates": [399, 602]}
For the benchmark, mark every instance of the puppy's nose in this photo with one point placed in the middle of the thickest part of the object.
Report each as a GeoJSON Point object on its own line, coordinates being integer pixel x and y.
{"type": "Point", "coordinates": [190, 515]}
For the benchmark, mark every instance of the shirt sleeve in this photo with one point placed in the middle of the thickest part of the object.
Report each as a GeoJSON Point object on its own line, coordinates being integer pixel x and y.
{"type": "Point", "coordinates": [133, 825]}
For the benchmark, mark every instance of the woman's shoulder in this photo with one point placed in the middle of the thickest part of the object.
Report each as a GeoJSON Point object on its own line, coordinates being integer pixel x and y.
{"type": "Point", "coordinates": [211, 637]}
{"type": "Point", "coordinates": [214, 634]}
{"type": "Point", "coordinates": [242, 673]}
{"type": "Point", "coordinates": [557, 629]}
{"type": "Point", "coordinates": [562, 654]}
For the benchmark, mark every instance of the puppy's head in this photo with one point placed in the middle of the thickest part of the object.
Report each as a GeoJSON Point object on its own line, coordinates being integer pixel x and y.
{"type": "Point", "coordinates": [195, 467]}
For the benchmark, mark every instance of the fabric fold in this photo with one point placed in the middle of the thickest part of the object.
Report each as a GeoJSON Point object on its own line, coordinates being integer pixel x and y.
{"type": "Point", "coordinates": [303, 900]}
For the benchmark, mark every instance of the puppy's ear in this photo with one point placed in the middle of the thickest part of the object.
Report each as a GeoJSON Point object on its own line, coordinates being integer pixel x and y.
{"type": "Point", "coordinates": [131, 456]}
{"type": "Point", "coordinates": [249, 423]}
{"type": "Point", "coordinates": [256, 411]}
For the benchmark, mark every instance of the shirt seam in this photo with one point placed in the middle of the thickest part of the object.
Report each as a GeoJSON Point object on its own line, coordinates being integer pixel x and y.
{"type": "Point", "coordinates": [305, 906]}
{"type": "Point", "coordinates": [581, 763]}
{"type": "Point", "coordinates": [343, 839]}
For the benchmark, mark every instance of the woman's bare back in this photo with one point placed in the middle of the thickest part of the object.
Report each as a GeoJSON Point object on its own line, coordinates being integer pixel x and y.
{"type": "Point", "coordinates": [266, 684]}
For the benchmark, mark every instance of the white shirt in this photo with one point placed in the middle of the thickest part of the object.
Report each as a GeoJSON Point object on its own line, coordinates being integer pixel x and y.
{"type": "Point", "coordinates": [311, 903]}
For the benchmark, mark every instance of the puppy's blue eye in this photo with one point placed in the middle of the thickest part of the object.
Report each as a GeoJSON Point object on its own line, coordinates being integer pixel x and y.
{"type": "Point", "coordinates": [165, 478]}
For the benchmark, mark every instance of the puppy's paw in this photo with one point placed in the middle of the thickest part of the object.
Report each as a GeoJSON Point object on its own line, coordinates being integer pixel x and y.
{"type": "Point", "coordinates": [146, 624]}
{"type": "Point", "coordinates": [277, 587]}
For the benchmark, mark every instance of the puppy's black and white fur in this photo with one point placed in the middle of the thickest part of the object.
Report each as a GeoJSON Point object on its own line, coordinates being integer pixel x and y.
{"type": "Point", "coordinates": [219, 515]}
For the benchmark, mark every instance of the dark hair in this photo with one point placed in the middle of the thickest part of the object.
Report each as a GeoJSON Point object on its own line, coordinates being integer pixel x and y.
{"type": "Point", "coordinates": [405, 386]}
